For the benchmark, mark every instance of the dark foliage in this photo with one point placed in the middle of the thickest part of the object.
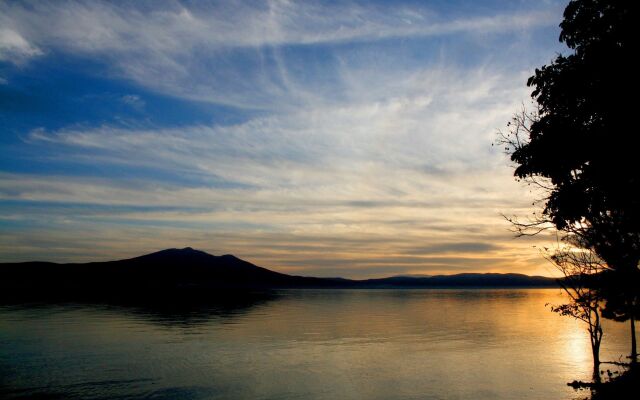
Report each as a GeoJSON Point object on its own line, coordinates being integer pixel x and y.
{"type": "Point", "coordinates": [584, 138]}
{"type": "Point", "coordinates": [625, 386]}
{"type": "Point", "coordinates": [580, 147]}
{"type": "Point", "coordinates": [620, 289]}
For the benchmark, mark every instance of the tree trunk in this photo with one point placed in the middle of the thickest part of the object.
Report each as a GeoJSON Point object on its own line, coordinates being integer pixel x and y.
{"type": "Point", "coordinates": [634, 352]}
{"type": "Point", "coordinates": [596, 364]}
{"type": "Point", "coordinates": [595, 331]}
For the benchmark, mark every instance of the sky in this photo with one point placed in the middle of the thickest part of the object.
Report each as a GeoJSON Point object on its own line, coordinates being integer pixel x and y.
{"type": "Point", "coordinates": [338, 138]}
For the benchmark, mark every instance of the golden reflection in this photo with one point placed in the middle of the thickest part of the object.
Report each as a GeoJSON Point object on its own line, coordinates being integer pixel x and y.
{"type": "Point", "coordinates": [389, 344]}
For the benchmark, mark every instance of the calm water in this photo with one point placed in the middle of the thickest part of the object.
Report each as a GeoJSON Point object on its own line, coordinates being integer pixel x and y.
{"type": "Point", "coordinates": [329, 344]}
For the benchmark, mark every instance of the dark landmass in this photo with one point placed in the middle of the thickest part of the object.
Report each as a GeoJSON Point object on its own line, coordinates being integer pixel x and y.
{"type": "Point", "coordinates": [461, 280]}
{"type": "Point", "coordinates": [194, 271]}
{"type": "Point", "coordinates": [614, 386]}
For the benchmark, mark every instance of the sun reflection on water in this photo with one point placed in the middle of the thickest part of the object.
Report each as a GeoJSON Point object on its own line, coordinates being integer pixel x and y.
{"type": "Point", "coordinates": [467, 344]}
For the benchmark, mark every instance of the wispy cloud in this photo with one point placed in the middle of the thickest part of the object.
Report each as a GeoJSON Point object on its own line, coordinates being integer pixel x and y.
{"type": "Point", "coordinates": [417, 167]}
{"type": "Point", "coordinates": [364, 147]}
{"type": "Point", "coordinates": [195, 51]}
{"type": "Point", "coordinates": [175, 27]}
{"type": "Point", "coordinates": [433, 122]}
{"type": "Point", "coordinates": [133, 100]}
{"type": "Point", "coordinates": [14, 48]}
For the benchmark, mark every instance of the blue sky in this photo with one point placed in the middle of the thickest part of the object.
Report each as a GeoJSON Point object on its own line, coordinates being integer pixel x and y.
{"type": "Point", "coordinates": [316, 138]}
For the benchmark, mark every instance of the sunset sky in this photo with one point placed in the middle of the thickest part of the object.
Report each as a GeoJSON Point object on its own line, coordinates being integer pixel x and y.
{"type": "Point", "coordinates": [316, 138]}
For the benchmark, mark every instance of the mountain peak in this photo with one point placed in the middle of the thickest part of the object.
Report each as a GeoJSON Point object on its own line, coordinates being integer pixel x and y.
{"type": "Point", "coordinates": [181, 250]}
{"type": "Point", "coordinates": [187, 267]}
{"type": "Point", "coordinates": [173, 253]}
{"type": "Point", "coordinates": [190, 250]}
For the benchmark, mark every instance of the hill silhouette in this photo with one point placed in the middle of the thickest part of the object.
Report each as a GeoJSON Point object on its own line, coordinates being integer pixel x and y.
{"type": "Point", "coordinates": [194, 270]}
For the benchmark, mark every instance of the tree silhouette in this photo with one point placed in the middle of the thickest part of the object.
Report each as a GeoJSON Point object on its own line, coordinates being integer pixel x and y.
{"type": "Point", "coordinates": [622, 295]}
{"type": "Point", "coordinates": [578, 268]}
{"type": "Point", "coordinates": [580, 145]}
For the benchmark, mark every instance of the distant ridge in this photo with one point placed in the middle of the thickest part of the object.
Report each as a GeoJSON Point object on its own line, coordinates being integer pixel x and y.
{"type": "Point", "coordinates": [190, 269]}
{"type": "Point", "coordinates": [464, 279]}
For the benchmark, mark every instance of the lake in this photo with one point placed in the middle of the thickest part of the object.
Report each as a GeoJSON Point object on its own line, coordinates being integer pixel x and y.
{"type": "Point", "coordinates": [303, 344]}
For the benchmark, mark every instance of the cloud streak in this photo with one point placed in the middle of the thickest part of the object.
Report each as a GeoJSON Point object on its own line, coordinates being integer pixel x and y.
{"type": "Point", "coordinates": [193, 51]}
{"type": "Point", "coordinates": [14, 48]}
{"type": "Point", "coordinates": [363, 147]}
{"type": "Point", "coordinates": [174, 27]}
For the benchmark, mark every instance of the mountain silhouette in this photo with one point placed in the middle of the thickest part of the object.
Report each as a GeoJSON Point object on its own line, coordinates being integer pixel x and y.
{"type": "Point", "coordinates": [462, 280]}
{"type": "Point", "coordinates": [193, 270]}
